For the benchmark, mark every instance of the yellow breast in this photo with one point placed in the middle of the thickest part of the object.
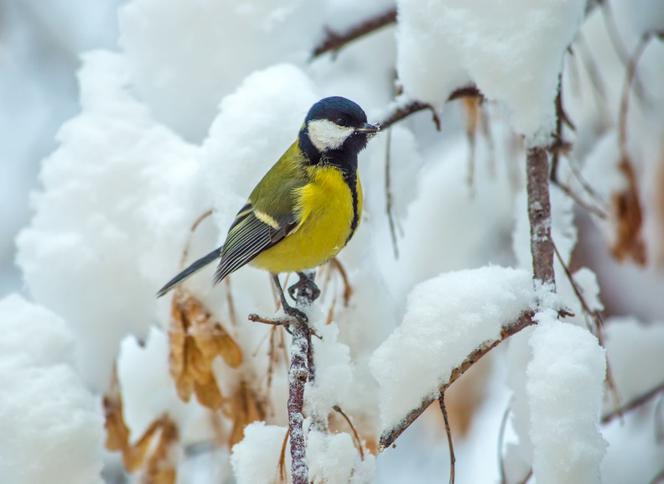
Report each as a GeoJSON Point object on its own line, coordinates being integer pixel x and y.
{"type": "Point", "coordinates": [326, 213]}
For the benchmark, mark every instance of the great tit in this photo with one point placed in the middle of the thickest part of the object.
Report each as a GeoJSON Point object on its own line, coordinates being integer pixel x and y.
{"type": "Point", "coordinates": [307, 206]}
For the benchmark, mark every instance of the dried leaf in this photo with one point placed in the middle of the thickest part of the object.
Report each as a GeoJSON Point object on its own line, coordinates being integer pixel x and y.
{"type": "Point", "coordinates": [117, 433]}
{"type": "Point", "coordinates": [135, 457]}
{"type": "Point", "coordinates": [160, 467]}
{"type": "Point", "coordinates": [629, 217]}
{"type": "Point", "coordinates": [196, 340]}
{"type": "Point", "coordinates": [243, 408]}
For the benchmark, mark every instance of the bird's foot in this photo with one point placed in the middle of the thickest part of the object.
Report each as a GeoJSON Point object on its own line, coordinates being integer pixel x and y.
{"type": "Point", "coordinates": [305, 288]}
{"type": "Point", "coordinates": [296, 313]}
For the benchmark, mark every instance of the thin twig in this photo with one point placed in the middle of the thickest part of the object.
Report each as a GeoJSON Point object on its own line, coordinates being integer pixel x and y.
{"type": "Point", "coordinates": [401, 112]}
{"type": "Point", "coordinates": [448, 432]}
{"type": "Point", "coordinates": [348, 288]}
{"type": "Point", "coordinates": [558, 143]}
{"type": "Point", "coordinates": [659, 478]}
{"type": "Point", "coordinates": [192, 229]}
{"type": "Point", "coordinates": [501, 437]}
{"type": "Point", "coordinates": [334, 41]}
{"type": "Point", "coordinates": [629, 79]}
{"type": "Point", "coordinates": [388, 194]}
{"type": "Point", "coordinates": [472, 112]}
{"type": "Point", "coordinates": [527, 477]}
{"type": "Point", "coordinates": [356, 436]}
{"type": "Point", "coordinates": [633, 404]}
{"type": "Point", "coordinates": [282, 457]}
{"type": "Point", "coordinates": [271, 321]}
{"type": "Point", "coordinates": [579, 201]}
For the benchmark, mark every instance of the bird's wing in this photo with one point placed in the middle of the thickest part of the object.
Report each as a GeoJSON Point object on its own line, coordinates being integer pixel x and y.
{"type": "Point", "coordinates": [271, 214]}
{"type": "Point", "coordinates": [252, 232]}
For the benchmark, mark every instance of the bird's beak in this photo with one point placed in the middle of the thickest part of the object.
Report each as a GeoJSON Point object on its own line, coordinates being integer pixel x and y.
{"type": "Point", "coordinates": [368, 129]}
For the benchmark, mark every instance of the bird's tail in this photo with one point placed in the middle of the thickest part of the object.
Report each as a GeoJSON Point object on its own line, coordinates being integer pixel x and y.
{"type": "Point", "coordinates": [193, 268]}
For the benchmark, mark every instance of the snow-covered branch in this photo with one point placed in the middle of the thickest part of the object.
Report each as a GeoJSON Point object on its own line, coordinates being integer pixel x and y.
{"type": "Point", "coordinates": [389, 436]}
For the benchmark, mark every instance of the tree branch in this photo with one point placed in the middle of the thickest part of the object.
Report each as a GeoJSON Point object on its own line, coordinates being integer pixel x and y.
{"type": "Point", "coordinates": [401, 112]}
{"type": "Point", "coordinates": [298, 374]}
{"type": "Point", "coordinates": [633, 404]}
{"type": "Point", "coordinates": [334, 41]}
{"type": "Point", "coordinates": [300, 371]}
{"type": "Point", "coordinates": [448, 432]}
{"type": "Point", "coordinates": [539, 215]}
{"type": "Point", "coordinates": [524, 320]}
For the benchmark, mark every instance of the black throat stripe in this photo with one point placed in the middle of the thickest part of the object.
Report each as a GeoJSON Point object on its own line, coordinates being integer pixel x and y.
{"type": "Point", "coordinates": [350, 177]}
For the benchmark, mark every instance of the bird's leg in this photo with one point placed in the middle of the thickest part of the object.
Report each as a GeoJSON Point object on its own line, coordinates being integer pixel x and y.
{"type": "Point", "coordinates": [305, 288]}
{"type": "Point", "coordinates": [288, 309]}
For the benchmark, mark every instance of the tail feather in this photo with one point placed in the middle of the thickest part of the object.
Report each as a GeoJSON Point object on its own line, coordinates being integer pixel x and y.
{"type": "Point", "coordinates": [193, 268]}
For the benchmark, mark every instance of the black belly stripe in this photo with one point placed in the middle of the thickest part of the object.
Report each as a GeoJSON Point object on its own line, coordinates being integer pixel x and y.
{"type": "Point", "coordinates": [350, 177]}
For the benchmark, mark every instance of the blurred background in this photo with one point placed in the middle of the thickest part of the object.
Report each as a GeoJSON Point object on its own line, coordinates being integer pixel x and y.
{"type": "Point", "coordinates": [40, 45]}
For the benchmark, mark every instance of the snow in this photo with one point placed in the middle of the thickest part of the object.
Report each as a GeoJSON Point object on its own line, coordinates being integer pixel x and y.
{"type": "Point", "coordinates": [334, 459]}
{"type": "Point", "coordinates": [145, 382]}
{"type": "Point", "coordinates": [565, 388]}
{"type": "Point", "coordinates": [512, 51]}
{"type": "Point", "coordinates": [206, 48]}
{"type": "Point", "coordinates": [40, 337]}
{"type": "Point", "coordinates": [446, 318]}
{"type": "Point", "coordinates": [586, 280]}
{"type": "Point", "coordinates": [256, 457]}
{"type": "Point", "coordinates": [114, 205]}
{"type": "Point", "coordinates": [443, 193]}
{"type": "Point", "coordinates": [519, 354]}
{"type": "Point", "coordinates": [47, 415]}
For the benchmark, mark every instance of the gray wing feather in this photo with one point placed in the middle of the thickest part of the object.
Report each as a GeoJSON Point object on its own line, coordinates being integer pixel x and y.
{"type": "Point", "coordinates": [246, 240]}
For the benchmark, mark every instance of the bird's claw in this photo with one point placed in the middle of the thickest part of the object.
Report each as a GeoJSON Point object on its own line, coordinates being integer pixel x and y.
{"type": "Point", "coordinates": [305, 288]}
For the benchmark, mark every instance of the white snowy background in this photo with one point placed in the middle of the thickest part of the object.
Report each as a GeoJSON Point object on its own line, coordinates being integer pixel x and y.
{"type": "Point", "coordinates": [124, 121]}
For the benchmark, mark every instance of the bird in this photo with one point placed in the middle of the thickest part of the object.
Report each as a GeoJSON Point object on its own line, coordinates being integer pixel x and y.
{"type": "Point", "coordinates": [306, 208]}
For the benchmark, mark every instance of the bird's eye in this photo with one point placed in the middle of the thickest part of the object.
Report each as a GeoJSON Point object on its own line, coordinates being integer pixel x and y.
{"type": "Point", "coordinates": [340, 121]}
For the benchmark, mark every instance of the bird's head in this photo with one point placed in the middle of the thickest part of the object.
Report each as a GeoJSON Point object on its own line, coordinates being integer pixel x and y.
{"type": "Point", "coordinates": [336, 125]}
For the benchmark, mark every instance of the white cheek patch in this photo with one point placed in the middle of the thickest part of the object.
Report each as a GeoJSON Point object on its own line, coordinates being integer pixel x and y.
{"type": "Point", "coordinates": [326, 135]}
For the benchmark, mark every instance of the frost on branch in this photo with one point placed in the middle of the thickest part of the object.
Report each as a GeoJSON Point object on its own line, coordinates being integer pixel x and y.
{"type": "Point", "coordinates": [47, 415]}
{"type": "Point", "coordinates": [447, 317]}
{"type": "Point", "coordinates": [512, 51]}
{"type": "Point", "coordinates": [565, 388]}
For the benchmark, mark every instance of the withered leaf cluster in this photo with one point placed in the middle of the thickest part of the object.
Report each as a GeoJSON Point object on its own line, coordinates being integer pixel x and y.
{"type": "Point", "coordinates": [153, 452]}
{"type": "Point", "coordinates": [196, 339]}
